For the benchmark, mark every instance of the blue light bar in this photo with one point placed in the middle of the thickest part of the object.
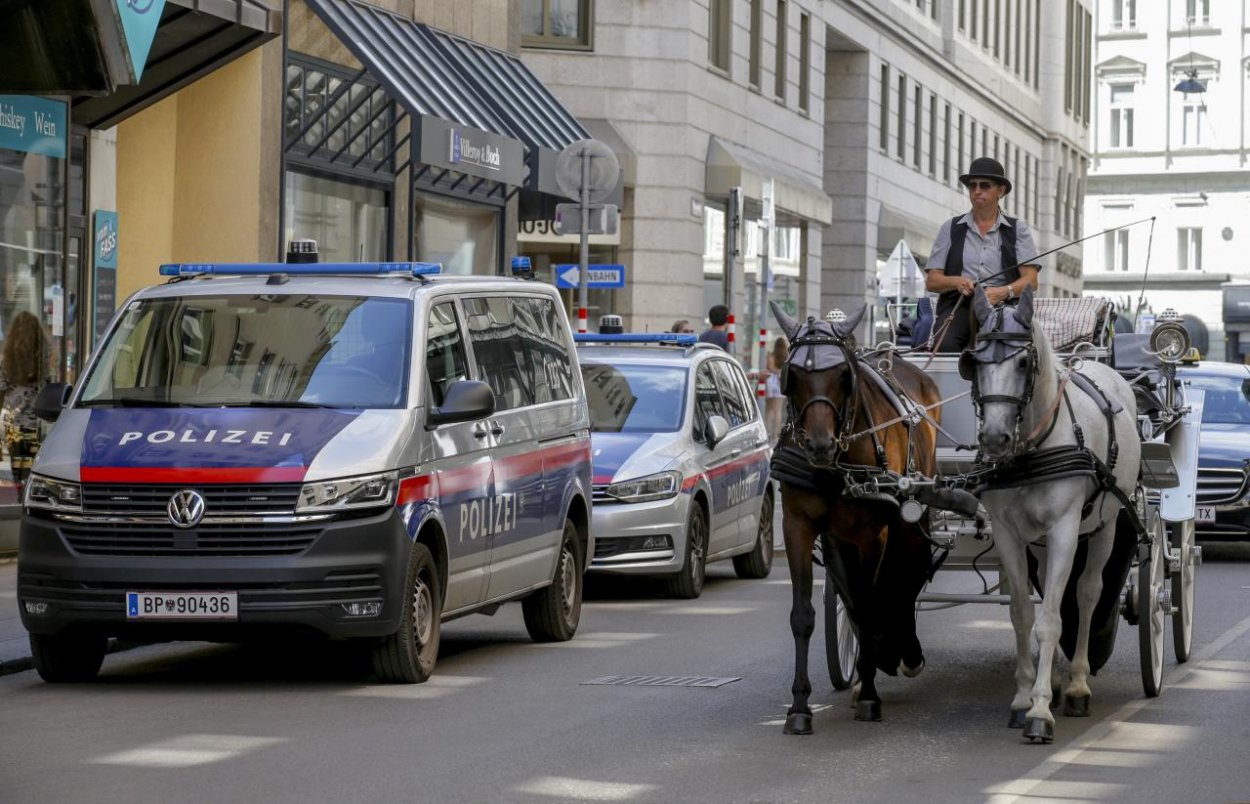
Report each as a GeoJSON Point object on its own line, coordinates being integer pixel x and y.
{"type": "Point", "coordinates": [670, 338]}
{"type": "Point", "coordinates": [298, 269]}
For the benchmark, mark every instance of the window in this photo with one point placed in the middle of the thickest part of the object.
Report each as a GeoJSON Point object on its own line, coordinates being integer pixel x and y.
{"type": "Point", "coordinates": [883, 134]}
{"type": "Point", "coordinates": [718, 28]}
{"type": "Point", "coordinates": [463, 237]}
{"type": "Point", "coordinates": [1189, 249]}
{"type": "Point", "coordinates": [707, 401]}
{"type": "Point", "coordinates": [555, 23]}
{"type": "Point", "coordinates": [757, 35]}
{"type": "Point", "coordinates": [544, 348]}
{"type": "Point", "coordinates": [630, 398]}
{"type": "Point", "coordinates": [1116, 258]}
{"type": "Point", "coordinates": [1121, 129]}
{"type": "Point", "coordinates": [500, 364]}
{"type": "Point", "coordinates": [946, 144]}
{"type": "Point", "coordinates": [998, 26]}
{"type": "Point", "coordinates": [961, 17]}
{"type": "Point", "coordinates": [779, 77]}
{"type": "Point", "coordinates": [349, 221]}
{"type": "Point", "coordinates": [1198, 12]}
{"type": "Point", "coordinates": [805, 58]}
{"type": "Point", "coordinates": [738, 410]}
{"type": "Point", "coordinates": [444, 352]}
{"type": "Point", "coordinates": [933, 128]}
{"type": "Point", "coordinates": [917, 122]}
{"type": "Point", "coordinates": [902, 117]}
{"type": "Point", "coordinates": [1123, 15]}
{"type": "Point", "coordinates": [1193, 121]}
{"type": "Point", "coordinates": [972, 21]}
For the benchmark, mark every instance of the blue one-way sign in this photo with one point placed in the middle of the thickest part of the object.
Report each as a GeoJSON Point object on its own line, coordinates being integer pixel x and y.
{"type": "Point", "coordinates": [601, 276]}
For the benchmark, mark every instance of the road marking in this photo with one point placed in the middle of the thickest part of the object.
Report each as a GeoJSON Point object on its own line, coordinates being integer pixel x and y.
{"type": "Point", "coordinates": [437, 687]}
{"type": "Point", "coordinates": [992, 625]}
{"type": "Point", "coordinates": [695, 608]}
{"type": "Point", "coordinates": [1037, 783]}
{"type": "Point", "coordinates": [583, 789]}
{"type": "Point", "coordinates": [600, 639]}
{"type": "Point", "coordinates": [187, 751]}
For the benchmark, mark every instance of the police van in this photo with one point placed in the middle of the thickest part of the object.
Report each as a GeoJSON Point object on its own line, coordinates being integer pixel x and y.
{"type": "Point", "coordinates": [358, 451]}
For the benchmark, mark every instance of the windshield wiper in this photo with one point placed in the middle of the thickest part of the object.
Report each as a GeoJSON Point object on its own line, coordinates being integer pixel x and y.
{"type": "Point", "coordinates": [137, 402]}
{"type": "Point", "coordinates": [270, 403]}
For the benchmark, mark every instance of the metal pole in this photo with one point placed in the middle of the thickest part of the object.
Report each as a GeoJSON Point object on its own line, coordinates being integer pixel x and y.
{"type": "Point", "coordinates": [733, 223]}
{"type": "Point", "coordinates": [766, 232]}
{"type": "Point", "coordinates": [583, 288]}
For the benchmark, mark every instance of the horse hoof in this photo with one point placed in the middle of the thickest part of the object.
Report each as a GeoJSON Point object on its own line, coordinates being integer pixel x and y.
{"type": "Point", "coordinates": [1076, 705]}
{"type": "Point", "coordinates": [911, 672]}
{"type": "Point", "coordinates": [1016, 719]}
{"type": "Point", "coordinates": [1035, 729]}
{"type": "Point", "coordinates": [868, 710]}
{"type": "Point", "coordinates": [798, 723]}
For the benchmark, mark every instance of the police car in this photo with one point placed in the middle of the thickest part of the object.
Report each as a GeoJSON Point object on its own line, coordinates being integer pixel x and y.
{"type": "Point", "coordinates": [360, 451]}
{"type": "Point", "coordinates": [680, 460]}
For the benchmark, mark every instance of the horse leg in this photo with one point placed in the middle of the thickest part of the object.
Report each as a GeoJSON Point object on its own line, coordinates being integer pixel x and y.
{"type": "Point", "coordinates": [1076, 697]}
{"type": "Point", "coordinates": [868, 615]}
{"type": "Point", "coordinates": [799, 539]}
{"type": "Point", "coordinates": [1060, 553]}
{"type": "Point", "coordinates": [1011, 554]}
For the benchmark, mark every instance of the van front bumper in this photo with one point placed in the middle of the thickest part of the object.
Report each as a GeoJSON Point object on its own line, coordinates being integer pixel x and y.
{"type": "Point", "coordinates": [355, 561]}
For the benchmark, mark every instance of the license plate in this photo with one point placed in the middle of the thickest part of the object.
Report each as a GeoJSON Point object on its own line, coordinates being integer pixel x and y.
{"type": "Point", "coordinates": [1206, 513]}
{"type": "Point", "coordinates": [182, 605]}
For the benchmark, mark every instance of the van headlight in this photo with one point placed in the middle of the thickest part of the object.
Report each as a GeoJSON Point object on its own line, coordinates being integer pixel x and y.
{"type": "Point", "coordinates": [347, 493]}
{"type": "Point", "coordinates": [644, 489]}
{"type": "Point", "coordinates": [53, 495]}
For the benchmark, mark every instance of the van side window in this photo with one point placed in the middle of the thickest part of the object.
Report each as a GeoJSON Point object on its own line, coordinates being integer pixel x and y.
{"type": "Point", "coordinates": [546, 358]}
{"type": "Point", "coordinates": [707, 400]}
{"type": "Point", "coordinates": [444, 351]}
{"type": "Point", "coordinates": [500, 363]}
{"type": "Point", "coordinates": [735, 405]}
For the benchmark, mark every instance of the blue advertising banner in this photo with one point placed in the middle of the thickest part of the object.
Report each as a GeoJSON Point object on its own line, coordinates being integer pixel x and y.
{"type": "Point", "coordinates": [33, 124]}
{"type": "Point", "coordinates": [105, 239]}
{"type": "Point", "coordinates": [139, 21]}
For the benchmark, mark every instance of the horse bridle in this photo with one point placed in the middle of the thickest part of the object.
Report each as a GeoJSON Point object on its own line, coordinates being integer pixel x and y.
{"type": "Point", "coordinates": [968, 363]}
{"type": "Point", "coordinates": [846, 415]}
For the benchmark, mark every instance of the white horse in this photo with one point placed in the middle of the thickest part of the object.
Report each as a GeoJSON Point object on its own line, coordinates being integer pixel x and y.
{"type": "Point", "coordinates": [1028, 405]}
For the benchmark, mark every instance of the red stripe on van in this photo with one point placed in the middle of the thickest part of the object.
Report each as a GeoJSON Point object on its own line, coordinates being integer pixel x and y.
{"type": "Point", "coordinates": [178, 474]}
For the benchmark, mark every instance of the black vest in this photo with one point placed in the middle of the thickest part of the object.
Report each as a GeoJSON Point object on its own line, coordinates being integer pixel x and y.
{"type": "Point", "coordinates": [955, 258]}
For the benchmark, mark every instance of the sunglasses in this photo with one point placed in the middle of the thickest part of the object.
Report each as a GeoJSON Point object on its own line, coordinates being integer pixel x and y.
{"type": "Point", "coordinates": [982, 185]}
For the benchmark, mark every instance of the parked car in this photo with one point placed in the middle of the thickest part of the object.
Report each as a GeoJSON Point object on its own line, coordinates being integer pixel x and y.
{"type": "Point", "coordinates": [680, 461]}
{"type": "Point", "coordinates": [1224, 451]}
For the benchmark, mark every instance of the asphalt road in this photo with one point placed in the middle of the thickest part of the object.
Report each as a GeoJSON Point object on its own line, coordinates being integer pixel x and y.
{"type": "Point", "coordinates": [507, 720]}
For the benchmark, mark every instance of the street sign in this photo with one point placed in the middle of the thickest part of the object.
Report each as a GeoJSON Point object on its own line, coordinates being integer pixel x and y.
{"type": "Point", "coordinates": [601, 276]}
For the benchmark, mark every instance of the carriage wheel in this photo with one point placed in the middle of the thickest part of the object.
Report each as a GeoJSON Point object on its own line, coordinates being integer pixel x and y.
{"type": "Point", "coordinates": [841, 644]}
{"type": "Point", "coordinates": [1153, 607]}
{"type": "Point", "coordinates": [1183, 589]}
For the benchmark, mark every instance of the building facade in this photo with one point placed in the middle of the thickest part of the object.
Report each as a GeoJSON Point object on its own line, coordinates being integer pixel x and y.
{"type": "Point", "coordinates": [880, 104]}
{"type": "Point", "coordinates": [1176, 160]}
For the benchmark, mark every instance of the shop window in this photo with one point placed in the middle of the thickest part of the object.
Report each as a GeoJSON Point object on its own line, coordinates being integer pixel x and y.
{"type": "Point", "coordinates": [556, 23]}
{"type": "Point", "coordinates": [348, 221]}
{"type": "Point", "coordinates": [463, 237]}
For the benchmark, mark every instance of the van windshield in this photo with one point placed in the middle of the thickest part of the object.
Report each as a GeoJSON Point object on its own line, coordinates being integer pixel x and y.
{"type": "Point", "coordinates": [634, 398]}
{"type": "Point", "coordinates": [256, 350]}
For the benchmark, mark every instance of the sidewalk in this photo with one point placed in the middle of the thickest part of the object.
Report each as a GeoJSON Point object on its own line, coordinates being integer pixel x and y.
{"type": "Point", "coordinates": [14, 646]}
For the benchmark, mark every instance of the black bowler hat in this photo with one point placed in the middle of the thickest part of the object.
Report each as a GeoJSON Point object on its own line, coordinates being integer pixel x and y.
{"type": "Point", "coordinates": [983, 167]}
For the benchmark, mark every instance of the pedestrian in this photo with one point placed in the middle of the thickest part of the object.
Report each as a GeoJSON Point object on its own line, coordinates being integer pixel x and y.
{"type": "Point", "coordinates": [682, 326]}
{"type": "Point", "coordinates": [981, 247]}
{"type": "Point", "coordinates": [774, 400]}
{"type": "Point", "coordinates": [717, 332]}
{"type": "Point", "coordinates": [23, 371]}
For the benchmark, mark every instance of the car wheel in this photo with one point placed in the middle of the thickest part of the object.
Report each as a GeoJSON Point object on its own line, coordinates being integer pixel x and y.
{"type": "Point", "coordinates": [688, 582]}
{"type": "Point", "coordinates": [68, 657]}
{"type": "Point", "coordinates": [759, 562]}
{"type": "Point", "coordinates": [408, 655]}
{"type": "Point", "coordinates": [553, 612]}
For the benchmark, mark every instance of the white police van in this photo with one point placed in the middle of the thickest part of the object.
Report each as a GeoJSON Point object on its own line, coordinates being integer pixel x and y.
{"type": "Point", "coordinates": [360, 451]}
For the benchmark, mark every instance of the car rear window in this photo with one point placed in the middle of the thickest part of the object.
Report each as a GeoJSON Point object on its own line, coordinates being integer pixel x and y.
{"type": "Point", "coordinates": [1227, 399]}
{"type": "Point", "coordinates": [635, 398]}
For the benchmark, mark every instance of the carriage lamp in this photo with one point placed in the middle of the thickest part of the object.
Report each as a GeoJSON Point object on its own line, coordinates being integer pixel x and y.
{"type": "Point", "coordinates": [1169, 339]}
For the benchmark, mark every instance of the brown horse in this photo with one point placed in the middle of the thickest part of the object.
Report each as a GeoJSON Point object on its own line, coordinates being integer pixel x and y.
{"type": "Point", "coordinates": [839, 460]}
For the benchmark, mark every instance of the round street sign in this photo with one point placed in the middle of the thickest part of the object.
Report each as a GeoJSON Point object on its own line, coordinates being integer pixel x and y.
{"type": "Point", "coordinates": [603, 172]}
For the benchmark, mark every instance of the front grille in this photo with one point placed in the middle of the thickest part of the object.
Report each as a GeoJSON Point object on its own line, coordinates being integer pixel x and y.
{"type": "Point", "coordinates": [599, 494]}
{"type": "Point", "coordinates": [151, 500]}
{"type": "Point", "coordinates": [1220, 485]}
{"type": "Point", "coordinates": [156, 539]}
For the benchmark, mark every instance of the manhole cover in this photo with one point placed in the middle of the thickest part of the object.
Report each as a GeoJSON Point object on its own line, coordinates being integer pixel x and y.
{"type": "Point", "coordinates": [660, 681]}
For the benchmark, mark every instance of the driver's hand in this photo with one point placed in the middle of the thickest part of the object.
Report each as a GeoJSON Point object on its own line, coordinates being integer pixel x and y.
{"type": "Point", "coordinates": [966, 286]}
{"type": "Point", "coordinates": [996, 295]}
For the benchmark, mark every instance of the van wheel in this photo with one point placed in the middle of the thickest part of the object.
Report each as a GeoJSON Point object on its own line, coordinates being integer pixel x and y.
{"type": "Point", "coordinates": [553, 612]}
{"type": "Point", "coordinates": [68, 657]}
{"type": "Point", "coordinates": [408, 655]}
{"type": "Point", "coordinates": [688, 582]}
{"type": "Point", "coordinates": [759, 562]}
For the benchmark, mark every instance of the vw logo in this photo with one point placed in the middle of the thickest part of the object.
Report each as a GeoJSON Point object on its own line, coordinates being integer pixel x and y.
{"type": "Point", "coordinates": [186, 508]}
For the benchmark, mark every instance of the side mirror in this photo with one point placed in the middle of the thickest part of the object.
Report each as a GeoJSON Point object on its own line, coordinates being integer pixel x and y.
{"type": "Point", "coordinates": [717, 428]}
{"type": "Point", "coordinates": [466, 400]}
{"type": "Point", "coordinates": [51, 400]}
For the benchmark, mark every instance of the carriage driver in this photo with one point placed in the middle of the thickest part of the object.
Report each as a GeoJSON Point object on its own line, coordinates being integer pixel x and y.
{"type": "Point", "coordinates": [973, 249]}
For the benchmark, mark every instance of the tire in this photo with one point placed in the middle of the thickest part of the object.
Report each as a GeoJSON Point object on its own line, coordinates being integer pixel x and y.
{"type": "Point", "coordinates": [408, 655]}
{"type": "Point", "coordinates": [1183, 589]}
{"type": "Point", "coordinates": [68, 657]}
{"type": "Point", "coordinates": [841, 644]}
{"type": "Point", "coordinates": [687, 583]}
{"type": "Point", "coordinates": [759, 562]}
{"type": "Point", "coordinates": [1150, 615]}
{"type": "Point", "coordinates": [553, 612]}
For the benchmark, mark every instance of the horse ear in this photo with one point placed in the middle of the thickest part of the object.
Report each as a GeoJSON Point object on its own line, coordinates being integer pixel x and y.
{"type": "Point", "coordinates": [789, 325]}
{"type": "Point", "coordinates": [1024, 310]}
{"type": "Point", "coordinates": [847, 327]}
{"type": "Point", "coordinates": [981, 304]}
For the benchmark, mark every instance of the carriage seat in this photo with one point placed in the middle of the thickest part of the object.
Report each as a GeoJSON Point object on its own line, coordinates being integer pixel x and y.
{"type": "Point", "coordinates": [1068, 323]}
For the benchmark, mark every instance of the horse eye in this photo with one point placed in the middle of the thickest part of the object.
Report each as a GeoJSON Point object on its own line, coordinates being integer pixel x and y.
{"type": "Point", "coordinates": [1023, 363]}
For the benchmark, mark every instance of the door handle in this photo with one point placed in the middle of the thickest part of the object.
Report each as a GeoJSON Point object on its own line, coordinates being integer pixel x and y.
{"type": "Point", "coordinates": [479, 430]}
{"type": "Point", "coordinates": [496, 430]}
{"type": "Point", "coordinates": [735, 453]}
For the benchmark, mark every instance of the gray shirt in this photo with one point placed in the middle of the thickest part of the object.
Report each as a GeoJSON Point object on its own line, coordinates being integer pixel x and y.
{"type": "Point", "coordinates": [983, 255]}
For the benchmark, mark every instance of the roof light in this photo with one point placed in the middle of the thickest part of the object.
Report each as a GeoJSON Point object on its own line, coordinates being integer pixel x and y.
{"type": "Point", "coordinates": [307, 269]}
{"type": "Point", "coordinates": [669, 338]}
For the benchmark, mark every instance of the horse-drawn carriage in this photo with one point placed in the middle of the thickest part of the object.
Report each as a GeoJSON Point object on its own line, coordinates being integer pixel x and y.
{"type": "Point", "coordinates": [1081, 446]}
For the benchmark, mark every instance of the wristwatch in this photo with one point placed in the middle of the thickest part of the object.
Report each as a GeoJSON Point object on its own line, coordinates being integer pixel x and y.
{"type": "Point", "coordinates": [1011, 293]}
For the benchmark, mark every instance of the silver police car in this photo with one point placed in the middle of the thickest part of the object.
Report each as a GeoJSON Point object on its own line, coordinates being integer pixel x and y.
{"type": "Point", "coordinates": [680, 458]}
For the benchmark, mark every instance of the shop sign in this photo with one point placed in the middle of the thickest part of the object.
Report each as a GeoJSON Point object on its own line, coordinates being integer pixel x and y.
{"type": "Point", "coordinates": [140, 19]}
{"type": "Point", "coordinates": [543, 231]}
{"type": "Point", "coordinates": [105, 239]}
{"type": "Point", "coordinates": [33, 124]}
{"type": "Point", "coordinates": [472, 151]}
